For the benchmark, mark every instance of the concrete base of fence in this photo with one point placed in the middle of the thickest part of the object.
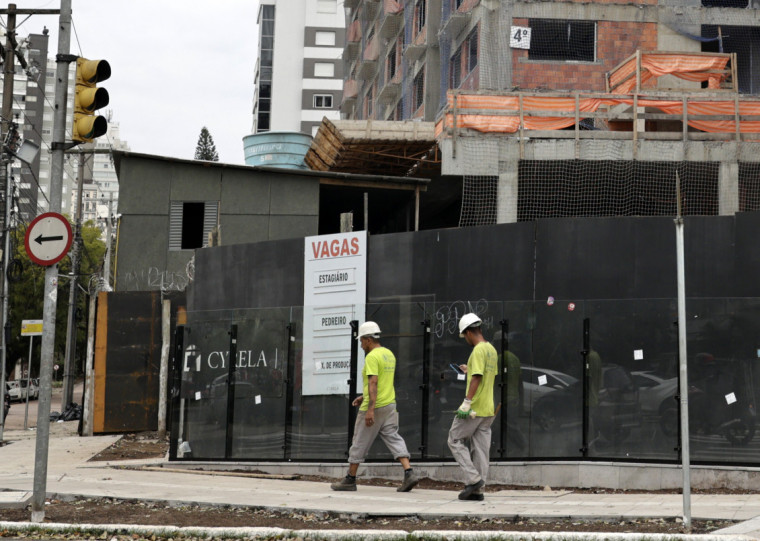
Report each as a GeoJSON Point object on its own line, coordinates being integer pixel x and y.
{"type": "Point", "coordinates": [611, 475]}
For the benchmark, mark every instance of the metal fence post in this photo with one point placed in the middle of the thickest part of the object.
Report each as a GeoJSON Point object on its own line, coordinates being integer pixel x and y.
{"type": "Point", "coordinates": [289, 395]}
{"type": "Point", "coordinates": [176, 390]}
{"type": "Point", "coordinates": [503, 425]}
{"type": "Point", "coordinates": [353, 377]}
{"type": "Point", "coordinates": [586, 375]}
{"type": "Point", "coordinates": [231, 392]}
{"type": "Point", "coordinates": [425, 388]}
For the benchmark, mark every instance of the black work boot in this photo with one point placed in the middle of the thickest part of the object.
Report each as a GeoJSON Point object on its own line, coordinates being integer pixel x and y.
{"type": "Point", "coordinates": [409, 482]}
{"type": "Point", "coordinates": [469, 490]}
{"type": "Point", "coordinates": [348, 483]}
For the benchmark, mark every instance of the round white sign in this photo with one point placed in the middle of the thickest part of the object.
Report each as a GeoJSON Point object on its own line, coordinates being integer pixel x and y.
{"type": "Point", "coordinates": [48, 238]}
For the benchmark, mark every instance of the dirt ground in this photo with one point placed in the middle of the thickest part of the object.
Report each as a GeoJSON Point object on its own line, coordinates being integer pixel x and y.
{"type": "Point", "coordinates": [148, 445]}
{"type": "Point", "coordinates": [105, 511]}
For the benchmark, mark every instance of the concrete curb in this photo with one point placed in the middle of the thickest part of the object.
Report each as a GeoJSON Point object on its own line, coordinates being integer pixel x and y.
{"type": "Point", "coordinates": [332, 535]}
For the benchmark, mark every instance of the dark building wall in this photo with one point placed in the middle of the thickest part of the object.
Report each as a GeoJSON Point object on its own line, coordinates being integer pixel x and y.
{"type": "Point", "coordinates": [565, 258]}
{"type": "Point", "coordinates": [253, 206]}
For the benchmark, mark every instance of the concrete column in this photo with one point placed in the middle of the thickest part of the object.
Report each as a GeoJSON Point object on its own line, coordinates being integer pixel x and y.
{"type": "Point", "coordinates": [728, 188]}
{"type": "Point", "coordinates": [506, 195]}
{"type": "Point", "coordinates": [495, 54]}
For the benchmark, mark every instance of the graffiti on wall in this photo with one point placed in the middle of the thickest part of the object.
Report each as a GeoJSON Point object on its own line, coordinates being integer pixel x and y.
{"type": "Point", "coordinates": [153, 278]}
{"type": "Point", "coordinates": [446, 318]}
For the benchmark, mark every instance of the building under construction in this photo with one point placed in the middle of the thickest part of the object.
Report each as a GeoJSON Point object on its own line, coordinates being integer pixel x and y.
{"type": "Point", "coordinates": [546, 109]}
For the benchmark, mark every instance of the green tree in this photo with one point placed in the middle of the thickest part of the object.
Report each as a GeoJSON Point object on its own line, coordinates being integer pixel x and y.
{"type": "Point", "coordinates": [205, 149]}
{"type": "Point", "coordinates": [26, 298]}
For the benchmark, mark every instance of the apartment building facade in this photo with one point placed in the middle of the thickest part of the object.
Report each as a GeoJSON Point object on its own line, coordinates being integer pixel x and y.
{"type": "Point", "coordinates": [28, 113]}
{"type": "Point", "coordinates": [299, 72]}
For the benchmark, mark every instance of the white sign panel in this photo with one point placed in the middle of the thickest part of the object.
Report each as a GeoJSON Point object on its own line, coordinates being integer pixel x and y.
{"type": "Point", "coordinates": [519, 37]}
{"type": "Point", "coordinates": [334, 293]}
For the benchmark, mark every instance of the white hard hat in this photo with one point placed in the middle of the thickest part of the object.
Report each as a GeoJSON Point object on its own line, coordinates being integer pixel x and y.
{"type": "Point", "coordinates": [467, 321]}
{"type": "Point", "coordinates": [368, 328]}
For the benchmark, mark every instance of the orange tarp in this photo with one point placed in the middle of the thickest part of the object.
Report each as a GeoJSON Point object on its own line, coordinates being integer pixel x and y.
{"type": "Point", "coordinates": [683, 66]}
{"type": "Point", "coordinates": [501, 113]}
{"type": "Point", "coordinates": [467, 115]}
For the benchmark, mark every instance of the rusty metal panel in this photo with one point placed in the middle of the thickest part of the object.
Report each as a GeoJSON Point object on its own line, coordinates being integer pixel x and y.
{"type": "Point", "coordinates": [128, 356]}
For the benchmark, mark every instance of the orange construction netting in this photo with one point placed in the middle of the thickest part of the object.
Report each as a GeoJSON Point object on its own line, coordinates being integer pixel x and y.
{"type": "Point", "coordinates": [476, 111]}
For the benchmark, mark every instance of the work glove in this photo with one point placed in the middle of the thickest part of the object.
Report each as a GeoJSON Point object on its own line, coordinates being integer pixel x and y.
{"type": "Point", "coordinates": [464, 410]}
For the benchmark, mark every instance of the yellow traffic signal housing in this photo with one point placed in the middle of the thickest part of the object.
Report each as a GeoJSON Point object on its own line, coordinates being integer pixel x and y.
{"type": "Point", "coordinates": [89, 98]}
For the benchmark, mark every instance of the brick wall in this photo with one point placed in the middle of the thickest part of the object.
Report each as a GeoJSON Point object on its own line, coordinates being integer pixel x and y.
{"type": "Point", "coordinates": [616, 41]}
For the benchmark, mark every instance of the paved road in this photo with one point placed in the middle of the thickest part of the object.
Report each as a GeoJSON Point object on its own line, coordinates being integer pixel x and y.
{"type": "Point", "coordinates": [19, 417]}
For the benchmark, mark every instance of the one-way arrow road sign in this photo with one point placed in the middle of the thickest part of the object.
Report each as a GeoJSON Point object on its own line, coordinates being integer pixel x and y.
{"type": "Point", "coordinates": [41, 239]}
{"type": "Point", "coordinates": [48, 238]}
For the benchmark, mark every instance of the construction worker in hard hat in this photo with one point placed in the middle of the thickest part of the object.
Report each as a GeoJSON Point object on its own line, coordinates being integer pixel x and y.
{"type": "Point", "coordinates": [377, 411]}
{"type": "Point", "coordinates": [476, 414]}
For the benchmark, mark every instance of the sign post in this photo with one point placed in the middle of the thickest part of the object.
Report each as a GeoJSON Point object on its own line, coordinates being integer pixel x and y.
{"type": "Point", "coordinates": [30, 328]}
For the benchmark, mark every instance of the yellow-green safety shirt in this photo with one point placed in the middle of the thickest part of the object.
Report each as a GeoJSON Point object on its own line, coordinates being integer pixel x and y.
{"type": "Point", "coordinates": [379, 362]}
{"type": "Point", "coordinates": [483, 361]}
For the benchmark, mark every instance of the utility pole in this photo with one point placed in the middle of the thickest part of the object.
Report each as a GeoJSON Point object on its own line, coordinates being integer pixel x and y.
{"type": "Point", "coordinates": [71, 327]}
{"type": "Point", "coordinates": [51, 272]}
{"type": "Point", "coordinates": [107, 266]}
{"type": "Point", "coordinates": [6, 186]}
{"type": "Point", "coordinates": [8, 75]}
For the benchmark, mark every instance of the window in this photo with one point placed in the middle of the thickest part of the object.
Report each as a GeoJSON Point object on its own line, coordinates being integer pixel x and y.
{"type": "Point", "coordinates": [742, 40]}
{"type": "Point", "coordinates": [472, 50]}
{"type": "Point", "coordinates": [324, 38]}
{"type": "Point", "coordinates": [324, 69]}
{"type": "Point", "coordinates": [420, 10]}
{"type": "Point", "coordinates": [562, 40]}
{"type": "Point", "coordinates": [327, 6]}
{"type": "Point", "coordinates": [419, 90]}
{"type": "Point", "coordinates": [323, 101]}
{"type": "Point", "coordinates": [190, 222]}
{"type": "Point", "coordinates": [455, 70]}
{"type": "Point", "coordinates": [391, 63]}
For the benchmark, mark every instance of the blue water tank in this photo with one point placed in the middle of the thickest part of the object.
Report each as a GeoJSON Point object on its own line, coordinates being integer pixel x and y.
{"type": "Point", "coordinates": [277, 149]}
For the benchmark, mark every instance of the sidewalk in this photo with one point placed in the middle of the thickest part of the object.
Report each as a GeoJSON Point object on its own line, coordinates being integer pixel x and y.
{"type": "Point", "coordinates": [69, 474]}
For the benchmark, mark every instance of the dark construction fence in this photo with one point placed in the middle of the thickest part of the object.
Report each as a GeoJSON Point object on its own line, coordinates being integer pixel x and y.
{"type": "Point", "coordinates": [579, 378]}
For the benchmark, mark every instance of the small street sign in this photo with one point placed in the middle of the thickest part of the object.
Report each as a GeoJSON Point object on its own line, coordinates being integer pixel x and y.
{"type": "Point", "coordinates": [31, 327]}
{"type": "Point", "coordinates": [48, 238]}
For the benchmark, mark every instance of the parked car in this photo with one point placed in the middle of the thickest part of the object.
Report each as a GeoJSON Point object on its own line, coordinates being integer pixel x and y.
{"type": "Point", "coordinates": [616, 413]}
{"type": "Point", "coordinates": [657, 399]}
{"type": "Point", "coordinates": [17, 389]}
{"type": "Point", "coordinates": [537, 382]}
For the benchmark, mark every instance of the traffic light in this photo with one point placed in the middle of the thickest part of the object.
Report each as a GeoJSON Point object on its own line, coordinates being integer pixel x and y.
{"type": "Point", "coordinates": [89, 98]}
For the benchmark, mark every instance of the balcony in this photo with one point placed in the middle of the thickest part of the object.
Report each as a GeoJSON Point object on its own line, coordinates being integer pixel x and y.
{"type": "Point", "coordinates": [389, 93]}
{"type": "Point", "coordinates": [353, 40]}
{"type": "Point", "coordinates": [393, 18]}
{"type": "Point", "coordinates": [367, 69]}
{"type": "Point", "coordinates": [350, 52]}
{"type": "Point", "coordinates": [454, 24]}
{"type": "Point", "coordinates": [414, 52]}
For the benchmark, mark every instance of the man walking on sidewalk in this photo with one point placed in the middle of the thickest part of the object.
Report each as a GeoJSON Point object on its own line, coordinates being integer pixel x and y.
{"type": "Point", "coordinates": [377, 411]}
{"type": "Point", "coordinates": [475, 415]}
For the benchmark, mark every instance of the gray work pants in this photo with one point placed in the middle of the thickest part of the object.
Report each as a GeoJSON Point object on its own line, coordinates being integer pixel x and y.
{"type": "Point", "coordinates": [473, 460]}
{"type": "Point", "coordinates": [386, 426]}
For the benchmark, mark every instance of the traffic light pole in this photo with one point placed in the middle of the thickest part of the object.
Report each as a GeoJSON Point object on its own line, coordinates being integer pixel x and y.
{"type": "Point", "coordinates": [51, 272]}
{"type": "Point", "coordinates": [71, 328]}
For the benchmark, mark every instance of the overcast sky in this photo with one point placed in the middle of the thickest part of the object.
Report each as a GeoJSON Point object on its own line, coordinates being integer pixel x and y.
{"type": "Point", "coordinates": [177, 65]}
